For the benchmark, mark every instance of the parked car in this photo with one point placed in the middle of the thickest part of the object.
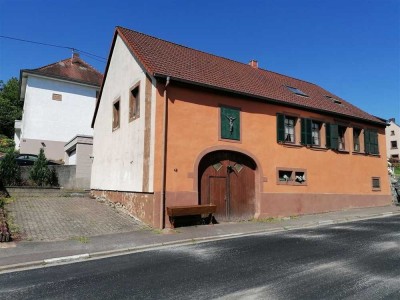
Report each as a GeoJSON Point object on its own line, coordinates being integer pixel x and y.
{"type": "Point", "coordinates": [29, 160]}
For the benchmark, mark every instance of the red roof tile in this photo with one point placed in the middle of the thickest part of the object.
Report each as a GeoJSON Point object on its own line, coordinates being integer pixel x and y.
{"type": "Point", "coordinates": [163, 58]}
{"type": "Point", "coordinates": [74, 69]}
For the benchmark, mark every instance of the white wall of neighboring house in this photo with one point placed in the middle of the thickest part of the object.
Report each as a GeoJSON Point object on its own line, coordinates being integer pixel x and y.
{"type": "Point", "coordinates": [49, 119]}
{"type": "Point", "coordinates": [392, 135]}
{"type": "Point", "coordinates": [118, 155]}
{"type": "Point", "coordinates": [53, 122]}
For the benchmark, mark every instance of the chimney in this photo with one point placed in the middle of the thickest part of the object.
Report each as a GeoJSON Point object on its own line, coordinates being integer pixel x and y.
{"type": "Point", "coordinates": [75, 57]}
{"type": "Point", "coordinates": [254, 64]}
{"type": "Point", "coordinates": [392, 120]}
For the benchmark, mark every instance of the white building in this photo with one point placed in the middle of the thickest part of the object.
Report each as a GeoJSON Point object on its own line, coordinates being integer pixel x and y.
{"type": "Point", "coordinates": [393, 140]}
{"type": "Point", "coordinates": [59, 100]}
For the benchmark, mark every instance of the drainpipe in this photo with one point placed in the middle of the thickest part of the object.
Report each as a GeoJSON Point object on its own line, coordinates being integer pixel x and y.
{"type": "Point", "coordinates": [164, 155]}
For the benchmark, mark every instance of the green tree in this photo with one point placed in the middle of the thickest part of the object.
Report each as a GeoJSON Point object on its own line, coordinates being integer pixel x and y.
{"type": "Point", "coordinates": [10, 172]}
{"type": "Point", "coordinates": [10, 106]}
{"type": "Point", "coordinates": [41, 174]}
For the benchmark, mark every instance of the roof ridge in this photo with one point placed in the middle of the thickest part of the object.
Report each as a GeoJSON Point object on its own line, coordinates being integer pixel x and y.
{"type": "Point", "coordinates": [86, 63]}
{"type": "Point", "coordinates": [215, 55]}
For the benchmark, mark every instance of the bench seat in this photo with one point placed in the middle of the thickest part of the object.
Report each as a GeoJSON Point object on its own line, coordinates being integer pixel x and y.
{"type": "Point", "coordinates": [190, 210]}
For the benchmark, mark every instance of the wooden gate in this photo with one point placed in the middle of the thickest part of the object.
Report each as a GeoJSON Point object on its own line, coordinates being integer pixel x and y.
{"type": "Point", "coordinates": [227, 179]}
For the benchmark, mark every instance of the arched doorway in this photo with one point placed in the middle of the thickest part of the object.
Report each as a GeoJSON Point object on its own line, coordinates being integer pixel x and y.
{"type": "Point", "coordinates": [227, 179]}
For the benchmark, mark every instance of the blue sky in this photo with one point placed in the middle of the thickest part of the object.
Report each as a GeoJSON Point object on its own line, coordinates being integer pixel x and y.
{"type": "Point", "coordinates": [349, 47]}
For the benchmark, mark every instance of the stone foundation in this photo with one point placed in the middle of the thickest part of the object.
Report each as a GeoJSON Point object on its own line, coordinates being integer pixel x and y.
{"type": "Point", "coordinates": [140, 205]}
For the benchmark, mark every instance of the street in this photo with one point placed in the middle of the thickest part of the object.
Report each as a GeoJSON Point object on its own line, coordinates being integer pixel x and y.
{"type": "Point", "coordinates": [358, 260]}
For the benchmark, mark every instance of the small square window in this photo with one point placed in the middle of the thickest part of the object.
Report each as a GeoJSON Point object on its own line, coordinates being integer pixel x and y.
{"type": "Point", "coordinates": [134, 101]}
{"type": "Point", "coordinates": [57, 97]}
{"type": "Point", "coordinates": [393, 145]}
{"type": "Point", "coordinates": [116, 115]}
{"type": "Point", "coordinates": [285, 176]}
{"type": "Point", "coordinates": [392, 132]}
{"type": "Point", "coordinates": [376, 183]}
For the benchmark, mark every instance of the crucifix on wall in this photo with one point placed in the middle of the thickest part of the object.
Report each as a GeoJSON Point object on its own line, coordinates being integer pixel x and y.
{"type": "Point", "coordinates": [230, 123]}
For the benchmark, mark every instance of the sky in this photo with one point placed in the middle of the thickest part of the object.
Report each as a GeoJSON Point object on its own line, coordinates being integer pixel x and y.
{"type": "Point", "coordinates": [349, 47]}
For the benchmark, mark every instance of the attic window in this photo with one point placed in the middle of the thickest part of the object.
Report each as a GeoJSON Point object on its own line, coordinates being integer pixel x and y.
{"type": "Point", "coordinates": [296, 91]}
{"type": "Point", "coordinates": [115, 116]}
{"type": "Point", "coordinates": [57, 97]}
{"type": "Point", "coordinates": [334, 100]}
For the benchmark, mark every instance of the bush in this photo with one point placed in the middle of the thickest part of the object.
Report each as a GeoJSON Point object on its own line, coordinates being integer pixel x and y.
{"type": "Point", "coordinates": [10, 172]}
{"type": "Point", "coordinates": [6, 144]}
{"type": "Point", "coordinates": [41, 174]}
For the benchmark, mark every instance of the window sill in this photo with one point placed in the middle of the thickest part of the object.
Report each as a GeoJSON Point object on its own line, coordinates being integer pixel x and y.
{"type": "Point", "coordinates": [317, 148]}
{"type": "Point", "coordinates": [358, 153]}
{"type": "Point", "coordinates": [343, 151]}
{"type": "Point", "coordinates": [291, 183]}
{"type": "Point", "coordinates": [376, 189]}
{"type": "Point", "coordinates": [290, 145]}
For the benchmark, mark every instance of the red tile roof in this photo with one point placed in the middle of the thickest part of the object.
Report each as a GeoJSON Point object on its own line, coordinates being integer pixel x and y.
{"type": "Point", "coordinates": [74, 69]}
{"type": "Point", "coordinates": [163, 58]}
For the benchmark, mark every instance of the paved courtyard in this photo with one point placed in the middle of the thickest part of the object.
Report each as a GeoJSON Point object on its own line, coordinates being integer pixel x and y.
{"type": "Point", "coordinates": [60, 218]}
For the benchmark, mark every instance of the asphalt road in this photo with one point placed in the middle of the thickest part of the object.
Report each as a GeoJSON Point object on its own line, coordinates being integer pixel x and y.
{"type": "Point", "coordinates": [359, 260]}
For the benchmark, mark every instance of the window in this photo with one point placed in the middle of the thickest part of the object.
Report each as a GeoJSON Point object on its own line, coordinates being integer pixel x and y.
{"type": "Point", "coordinates": [230, 123]}
{"type": "Point", "coordinates": [356, 139]}
{"type": "Point", "coordinates": [371, 141]}
{"type": "Point", "coordinates": [116, 115]}
{"type": "Point", "coordinates": [315, 127]}
{"type": "Point", "coordinates": [291, 176]}
{"type": "Point", "coordinates": [376, 183]}
{"type": "Point", "coordinates": [57, 97]}
{"type": "Point", "coordinates": [341, 137]}
{"type": "Point", "coordinates": [296, 91]}
{"type": "Point", "coordinates": [334, 100]}
{"type": "Point", "coordinates": [286, 128]}
{"type": "Point", "coordinates": [310, 132]}
{"type": "Point", "coordinates": [392, 132]}
{"type": "Point", "coordinates": [336, 137]}
{"type": "Point", "coordinates": [395, 156]}
{"type": "Point", "coordinates": [134, 101]}
{"type": "Point", "coordinates": [393, 145]}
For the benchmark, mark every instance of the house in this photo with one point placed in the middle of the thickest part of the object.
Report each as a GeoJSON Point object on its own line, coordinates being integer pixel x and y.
{"type": "Point", "coordinates": [393, 140]}
{"type": "Point", "coordinates": [176, 126]}
{"type": "Point", "coordinates": [59, 100]}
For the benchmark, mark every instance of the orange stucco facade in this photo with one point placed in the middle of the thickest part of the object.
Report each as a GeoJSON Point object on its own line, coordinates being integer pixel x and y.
{"type": "Point", "coordinates": [335, 180]}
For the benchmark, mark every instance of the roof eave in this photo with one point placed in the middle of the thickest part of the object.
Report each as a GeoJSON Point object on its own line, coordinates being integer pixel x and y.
{"type": "Point", "coordinates": [62, 78]}
{"type": "Point", "coordinates": [270, 100]}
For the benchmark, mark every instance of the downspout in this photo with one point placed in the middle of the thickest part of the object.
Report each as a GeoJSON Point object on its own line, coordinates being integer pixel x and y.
{"type": "Point", "coordinates": [164, 156]}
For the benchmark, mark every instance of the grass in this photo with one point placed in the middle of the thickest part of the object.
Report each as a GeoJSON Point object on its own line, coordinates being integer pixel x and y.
{"type": "Point", "coordinates": [81, 239]}
{"type": "Point", "coordinates": [397, 171]}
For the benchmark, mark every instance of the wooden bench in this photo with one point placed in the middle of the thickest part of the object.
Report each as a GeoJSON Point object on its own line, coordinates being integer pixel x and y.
{"type": "Point", "coordinates": [190, 210]}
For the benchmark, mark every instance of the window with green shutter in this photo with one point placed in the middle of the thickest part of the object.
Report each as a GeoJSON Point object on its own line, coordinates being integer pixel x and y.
{"type": "Point", "coordinates": [310, 132]}
{"type": "Point", "coordinates": [332, 136]}
{"type": "Point", "coordinates": [230, 123]}
{"type": "Point", "coordinates": [371, 145]}
{"type": "Point", "coordinates": [285, 128]}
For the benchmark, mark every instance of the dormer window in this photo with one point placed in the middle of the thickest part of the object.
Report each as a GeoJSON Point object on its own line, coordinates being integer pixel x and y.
{"type": "Point", "coordinates": [296, 91]}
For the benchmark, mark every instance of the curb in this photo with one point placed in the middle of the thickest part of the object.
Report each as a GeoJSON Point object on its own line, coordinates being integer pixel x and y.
{"type": "Point", "coordinates": [198, 240]}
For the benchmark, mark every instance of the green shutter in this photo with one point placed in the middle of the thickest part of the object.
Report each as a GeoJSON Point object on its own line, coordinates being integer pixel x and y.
{"type": "Point", "coordinates": [306, 131]}
{"type": "Point", "coordinates": [374, 147]}
{"type": "Point", "coordinates": [328, 135]}
{"type": "Point", "coordinates": [280, 125]}
{"type": "Point", "coordinates": [367, 146]}
{"type": "Point", "coordinates": [334, 136]}
{"type": "Point", "coordinates": [230, 123]}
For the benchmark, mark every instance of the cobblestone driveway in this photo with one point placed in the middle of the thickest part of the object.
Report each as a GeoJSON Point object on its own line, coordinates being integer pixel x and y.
{"type": "Point", "coordinates": [61, 218]}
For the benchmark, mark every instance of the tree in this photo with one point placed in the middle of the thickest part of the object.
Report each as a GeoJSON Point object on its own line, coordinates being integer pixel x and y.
{"type": "Point", "coordinates": [41, 174]}
{"type": "Point", "coordinates": [10, 106]}
{"type": "Point", "coordinates": [10, 172]}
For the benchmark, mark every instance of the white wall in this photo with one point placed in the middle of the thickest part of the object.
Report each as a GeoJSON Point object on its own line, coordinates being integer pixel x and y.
{"type": "Point", "coordinates": [118, 155]}
{"type": "Point", "coordinates": [390, 137]}
{"type": "Point", "coordinates": [47, 119]}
